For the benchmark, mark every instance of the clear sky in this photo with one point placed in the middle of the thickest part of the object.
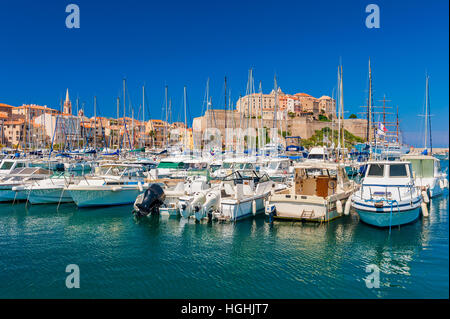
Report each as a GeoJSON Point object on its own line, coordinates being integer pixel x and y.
{"type": "Point", "coordinates": [184, 42]}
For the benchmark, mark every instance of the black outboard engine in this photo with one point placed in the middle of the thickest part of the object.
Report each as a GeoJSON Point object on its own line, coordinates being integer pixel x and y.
{"type": "Point", "coordinates": [153, 198]}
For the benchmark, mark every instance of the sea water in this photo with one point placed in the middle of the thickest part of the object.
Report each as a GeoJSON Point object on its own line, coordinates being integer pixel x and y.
{"type": "Point", "coordinates": [121, 257]}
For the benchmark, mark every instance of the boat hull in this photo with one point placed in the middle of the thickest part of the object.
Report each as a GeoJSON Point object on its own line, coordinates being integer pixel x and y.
{"type": "Point", "coordinates": [8, 195]}
{"type": "Point", "coordinates": [104, 197]}
{"type": "Point", "coordinates": [49, 196]}
{"type": "Point", "coordinates": [383, 219]}
{"type": "Point", "coordinates": [234, 211]}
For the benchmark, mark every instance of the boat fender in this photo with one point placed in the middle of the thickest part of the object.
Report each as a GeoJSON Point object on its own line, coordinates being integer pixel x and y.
{"type": "Point", "coordinates": [442, 184]}
{"type": "Point", "coordinates": [348, 205]}
{"type": "Point", "coordinates": [141, 189]}
{"type": "Point", "coordinates": [424, 209]}
{"type": "Point", "coordinates": [116, 189]}
{"type": "Point", "coordinates": [339, 207]}
{"type": "Point", "coordinates": [254, 208]}
{"type": "Point", "coordinates": [426, 199]}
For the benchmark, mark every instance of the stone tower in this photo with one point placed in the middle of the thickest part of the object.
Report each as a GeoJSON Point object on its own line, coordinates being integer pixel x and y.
{"type": "Point", "coordinates": [67, 104]}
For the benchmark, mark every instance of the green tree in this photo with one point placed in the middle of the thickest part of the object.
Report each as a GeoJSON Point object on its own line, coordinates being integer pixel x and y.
{"type": "Point", "coordinates": [352, 116]}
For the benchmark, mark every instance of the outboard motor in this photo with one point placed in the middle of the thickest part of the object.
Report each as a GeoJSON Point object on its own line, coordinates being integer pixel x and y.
{"type": "Point", "coordinates": [150, 201]}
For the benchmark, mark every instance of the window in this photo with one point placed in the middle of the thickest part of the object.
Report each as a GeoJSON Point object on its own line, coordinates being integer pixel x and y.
{"type": "Point", "coordinates": [7, 165]}
{"type": "Point", "coordinates": [375, 170]}
{"type": "Point", "coordinates": [315, 156]}
{"type": "Point", "coordinates": [397, 170]}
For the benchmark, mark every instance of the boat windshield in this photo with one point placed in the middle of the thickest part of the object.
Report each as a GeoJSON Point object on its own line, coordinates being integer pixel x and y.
{"type": "Point", "coordinates": [121, 170]}
{"type": "Point", "coordinates": [316, 156]}
{"type": "Point", "coordinates": [226, 165]}
{"type": "Point", "coordinates": [315, 171]}
{"type": "Point", "coordinates": [273, 165]}
{"type": "Point", "coordinates": [376, 170]}
{"type": "Point", "coordinates": [398, 170]}
{"type": "Point", "coordinates": [422, 168]}
{"type": "Point", "coordinates": [6, 165]}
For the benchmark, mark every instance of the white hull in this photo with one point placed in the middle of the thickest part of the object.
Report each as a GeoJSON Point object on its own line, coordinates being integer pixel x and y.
{"type": "Point", "coordinates": [49, 196]}
{"type": "Point", "coordinates": [104, 196]}
{"type": "Point", "coordinates": [234, 210]}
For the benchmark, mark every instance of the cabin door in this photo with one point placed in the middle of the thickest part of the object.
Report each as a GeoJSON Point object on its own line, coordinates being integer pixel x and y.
{"type": "Point", "coordinates": [322, 186]}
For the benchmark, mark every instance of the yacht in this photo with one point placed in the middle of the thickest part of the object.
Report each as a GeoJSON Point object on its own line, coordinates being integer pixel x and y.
{"type": "Point", "coordinates": [52, 190]}
{"type": "Point", "coordinates": [319, 194]}
{"type": "Point", "coordinates": [242, 195]}
{"type": "Point", "coordinates": [112, 184]}
{"type": "Point", "coordinates": [318, 154]}
{"type": "Point", "coordinates": [388, 195]}
{"type": "Point", "coordinates": [11, 185]}
{"type": "Point", "coordinates": [427, 174]}
{"type": "Point", "coordinates": [278, 169]}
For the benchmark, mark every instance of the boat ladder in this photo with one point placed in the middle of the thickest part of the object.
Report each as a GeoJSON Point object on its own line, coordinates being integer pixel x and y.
{"type": "Point", "coordinates": [307, 214]}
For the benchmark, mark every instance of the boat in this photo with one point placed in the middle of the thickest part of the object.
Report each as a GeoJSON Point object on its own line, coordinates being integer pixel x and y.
{"type": "Point", "coordinates": [242, 195]}
{"type": "Point", "coordinates": [388, 195]}
{"type": "Point", "coordinates": [51, 190]}
{"type": "Point", "coordinates": [319, 194]}
{"type": "Point", "coordinates": [426, 168]}
{"type": "Point", "coordinates": [194, 197]}
{"type": "Point", "coordinates": [12, 185]}
{"type": "Point", "coordinates": [427, 174]}
{"type": "Point", "coordinates": [112, 184]}
{"type": "Point", "coordinates": [278, 168]}
{"type": "Point", "coordinates": [9, 165]}
{"type": "Point", "coordinates": [318, 154]}
{"type": "Point", "coordinates": [241, 163]}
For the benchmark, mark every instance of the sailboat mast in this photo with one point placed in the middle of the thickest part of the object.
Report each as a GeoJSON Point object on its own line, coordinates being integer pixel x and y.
{"type": "Point", "coordinates": [429, 116]}
{"type": "Point", "coordinates": [397, 126]}
{"type": "Point", "coordinates": [369, 108]}
{"type": "Point", "coordinates": [124, 112]}
{"type": "Point", "coordinates": [426, 113]}
{"type": "Point", "coordinates": [342, 107]}
{"type": "Point", "coordinates": [142, 130]}
{"type": "Point", "coordinates": [339, 109]}
{"type": "Point", "coordinates": [261, 135]}
{"type": "Point", "coordinates": [95, 123]}
{"type": "Point", "coordinates": [185, 119]}
{"type": "Point", "coordinates": [165, 124]}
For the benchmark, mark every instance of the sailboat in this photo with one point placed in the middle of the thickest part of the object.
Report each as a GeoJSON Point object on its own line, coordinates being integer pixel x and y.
{"type": "Point", "coordinates": [427, 168]}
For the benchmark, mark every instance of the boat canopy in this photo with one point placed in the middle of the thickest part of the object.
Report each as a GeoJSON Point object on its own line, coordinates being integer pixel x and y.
{"type": "Point", "coordinates": [175, 165]}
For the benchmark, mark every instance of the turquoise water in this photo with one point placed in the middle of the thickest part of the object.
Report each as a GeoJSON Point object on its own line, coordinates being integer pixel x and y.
{"type": "Point", "coordinates": [120, 257]}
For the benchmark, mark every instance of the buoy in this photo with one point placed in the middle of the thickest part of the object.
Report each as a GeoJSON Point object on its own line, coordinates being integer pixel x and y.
{"type": "Point", "coordinates": [348, 204]}
{"type": "Point", "coordinates": [339, 207]}
{"type": "Point", "coordinates": [424, 209]}
{"type": "Point", "coordinates": [426, 199]}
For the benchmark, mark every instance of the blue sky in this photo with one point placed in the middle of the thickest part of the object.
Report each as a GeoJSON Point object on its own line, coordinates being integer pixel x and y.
{"type": "Point", "coordinates": [184, 42]}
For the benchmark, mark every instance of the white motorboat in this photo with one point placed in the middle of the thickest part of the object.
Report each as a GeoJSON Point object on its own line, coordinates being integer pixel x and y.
{"type": "Point", "coordinates": [427, 173]}
{"type": "Point", "coordinates": [52, 190]}
{"type": "Point", "coordinates": [12, 185]}
{"type": "Point", "coordinates": [388, 196]}
{"type": "Point", "coordinates": [318, 154]}
{"type": "Point", "coordinates": [242, 195]}
{"type": "Point", "coordinates": [319, 193]}
{"type": "Point", "coordinates": [113, 184]}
